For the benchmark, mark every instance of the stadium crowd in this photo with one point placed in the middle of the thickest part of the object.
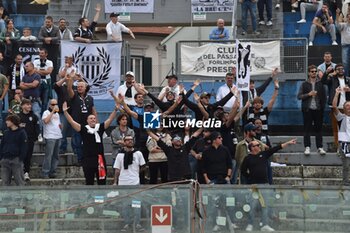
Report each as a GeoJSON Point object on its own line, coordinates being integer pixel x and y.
{"type": "Point", "coordinates": [177, 150]}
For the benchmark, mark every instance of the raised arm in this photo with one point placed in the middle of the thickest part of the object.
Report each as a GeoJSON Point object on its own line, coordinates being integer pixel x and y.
{"type": "Point", "coordinates": [233, 113]}
{"type": "Point", "coordinates": [200, 106]}
{"type": "Point", "coordinates": [76, 126]}
{"type": "Point", "coordinates": [224, 100]}
{"type": "Point", "coordinates": [69, 79]}
{"type": "Point", "coordinates": [335, 101]}
{"type": "Point", "coordinates": [111, 117]}
{"type": "Point", "coordinates": [274, 96]}
{"type": "Point", "coordinates": [126, 107]}
{"type": "Point", "coordinates": [242, 111]}
{"type": "Point", "coordinates": [262, 88]}
{"type": "Point", "coordinates": [290, 142]}
{"type": "Point", "coordinates": [97, 14]}
{"type": "Point", "coordinates": [173, 107]}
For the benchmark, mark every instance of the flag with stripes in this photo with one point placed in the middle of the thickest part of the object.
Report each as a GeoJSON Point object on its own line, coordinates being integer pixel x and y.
{"type": "Point", "coordinates": [99, 64]}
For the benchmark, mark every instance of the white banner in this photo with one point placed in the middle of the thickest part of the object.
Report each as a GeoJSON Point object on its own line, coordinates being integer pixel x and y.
{"type": "Point", "coordinates": [132, 6]}
{"type": "Point", "coordinates": [98, 62]}
{"type": "Point", "coordinates": [218, 59]}
{"type": "Point", "coordinates": [211, 6]}
{"type": "Point", "coordinates": [243, 66]}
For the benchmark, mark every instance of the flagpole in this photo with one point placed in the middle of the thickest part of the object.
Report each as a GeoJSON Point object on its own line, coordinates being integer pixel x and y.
{"type": "Point", "coordinates": [234, 26]}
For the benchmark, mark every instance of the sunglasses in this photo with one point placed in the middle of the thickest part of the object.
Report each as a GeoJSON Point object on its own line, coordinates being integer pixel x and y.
{"type": "Point", "coordinates": [255, 145]}
{"type": "Point", "coordinates": [53, 104]}
{"type": "Point", "coordinates": [313, 71]}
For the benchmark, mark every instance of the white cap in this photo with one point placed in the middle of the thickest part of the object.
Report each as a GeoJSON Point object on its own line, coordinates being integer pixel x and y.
{"type": "Point", "coordinates": [130, 73]}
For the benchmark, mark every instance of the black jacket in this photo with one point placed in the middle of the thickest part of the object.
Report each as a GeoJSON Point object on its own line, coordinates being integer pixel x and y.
{"type": "Point", "coordinates": [14, 144]}
{"type": "Point", "coordinates": [178, 164]}
{"type": "Point", "coordinates": [333, 84]}
{"type": "Point", "coordinates": [305, 88]}
{"type": "Point", "coordinates": [30, 123]}
{"type": "Point", "coordinates": [254, 167]}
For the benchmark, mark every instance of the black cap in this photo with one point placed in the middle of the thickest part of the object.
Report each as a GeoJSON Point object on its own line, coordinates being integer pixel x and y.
{"type": "Point", "coordinates": [214, 135]}
{"type": "Point", "coordinates": [171, 76]}
{"type": "Point", "coordinates": [113, 15]}
{"type": "Point", "coordinates": [205, 94]}
{"type": "Point", "coordinates": [249, 127]}
{"type": "Point", "coordinates": [151, 104]}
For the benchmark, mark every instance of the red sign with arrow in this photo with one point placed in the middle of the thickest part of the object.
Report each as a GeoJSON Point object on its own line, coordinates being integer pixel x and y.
{"type": "Point", "coordinates": [161, 215]}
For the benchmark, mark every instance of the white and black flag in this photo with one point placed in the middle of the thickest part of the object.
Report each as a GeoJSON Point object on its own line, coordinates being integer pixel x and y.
{"type": "Point", "coordinates": [243, 65]}
{"type": "Point", "coordinates": [98, 62]}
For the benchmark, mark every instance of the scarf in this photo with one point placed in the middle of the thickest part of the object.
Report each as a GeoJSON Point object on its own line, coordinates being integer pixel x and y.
{"type": "Point", "coordinates": [128, 158]}
{"type": "Point", "coordinates": [128, 92]}
{"type": "Point", "coordinates": [21, 74]}
{"type": "Point", "coordinates": [101, 168]}
{"type": "Point", "coordinates": [94, 131]}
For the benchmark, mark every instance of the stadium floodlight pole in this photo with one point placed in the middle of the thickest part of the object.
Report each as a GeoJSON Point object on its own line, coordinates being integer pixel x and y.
{"type": "Point", "coordinates": [234, 26]}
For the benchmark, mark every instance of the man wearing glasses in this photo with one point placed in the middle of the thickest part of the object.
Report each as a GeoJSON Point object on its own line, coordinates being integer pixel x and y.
{"type": "Point", "coordinates": [313, 99]}
{"type": "Point", "coordinates": [217, 162]}
{"type": "Point", "coordinates": [254, 168]}
{"type": "Point", "coordinates": [52, 134]}
{"type": "Point", "coordinates": [333, 81]}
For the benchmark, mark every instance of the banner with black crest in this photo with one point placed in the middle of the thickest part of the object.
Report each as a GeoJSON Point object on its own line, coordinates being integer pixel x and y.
{"type": "Point", "coordinates": [243, 66]}
{"type": "Point", "coordinates": [98, 62]}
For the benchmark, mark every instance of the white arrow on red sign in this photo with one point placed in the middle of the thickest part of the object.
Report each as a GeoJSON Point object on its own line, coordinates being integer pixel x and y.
{"type": "Point", "coordinates": [161, 217]}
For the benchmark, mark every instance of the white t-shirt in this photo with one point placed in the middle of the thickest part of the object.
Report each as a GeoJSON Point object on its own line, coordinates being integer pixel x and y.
{"type": "Point", "coordinates": [128, 100]}
{"type": "Point", "coordinates": [52, 129]}
{"type": "Point", "coordinates": [344, 129]}
{"type": "Point", "coordinates": [116, 30]}
{"type": "Point", "coordinates": [222, 92]}
{"type": "Point", "coordinates": [129, 176]}
{"type": "Point", "coordinates": [48, 64]}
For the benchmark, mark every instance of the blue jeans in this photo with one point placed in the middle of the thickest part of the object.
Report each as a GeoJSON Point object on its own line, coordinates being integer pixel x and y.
{"type": "Point", "coordinates": [50, 162]}
{"type": "Point", "coordinates": [250, 6]}
{"type": "Point", "coordinates": [77, 145]}
{"type": "Point", "coordinates": [268, 4]}
{"type": "Point", "coordinates": [193, 165]}
{"type": "Point", "coordinates": [12, 167]}
{"type": "Point", "coordinates": [345, 56]}
{"type": "Point", "coordinates": [66, 131]}
{"type": "Point", "coordinates": [256, 205]}
{"type": "Point", "coordinates": [12, 3]}
{"type": "Point", "coordinates": [234, 172]}
{"type": "Point", "coordinates": [45, 89]}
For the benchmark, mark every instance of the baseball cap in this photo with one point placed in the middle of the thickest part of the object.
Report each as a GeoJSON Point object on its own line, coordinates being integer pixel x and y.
{"type": "Point", "coordinates": [113, 15]}
{"type": "Point", "coordinates": [205, 94]}
{"type": "Point", "coordinates": [151, 104]}
{"type": "Point", "coordinates": [177, 138]}
{"type": "Point", "coordinates": [130, 73]}
{"type": "Point", "coordinates": [249, 127]}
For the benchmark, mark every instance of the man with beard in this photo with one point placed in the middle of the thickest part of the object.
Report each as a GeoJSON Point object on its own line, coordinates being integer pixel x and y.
{"type": "Point", "coordinates": [128, 164]}
{"type": "Point", "coordinates": [64, 32]}
{"type": "Point", "coordinates": [333, 81]}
